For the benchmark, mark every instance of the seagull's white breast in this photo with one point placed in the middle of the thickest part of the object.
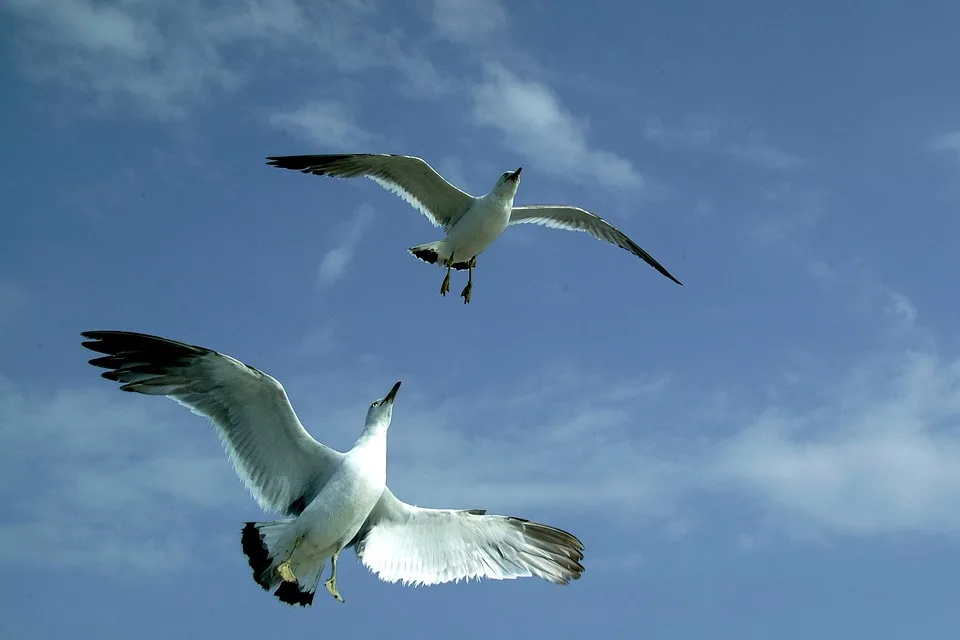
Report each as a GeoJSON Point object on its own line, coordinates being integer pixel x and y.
{"type": "Point", "coordinates": [479, 227]}
{"type": "Point", "coordinates": [341, 507]}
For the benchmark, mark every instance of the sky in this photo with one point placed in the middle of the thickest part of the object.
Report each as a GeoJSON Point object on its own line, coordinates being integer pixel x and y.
{"type": "Point", "coordinates": [771, 450]}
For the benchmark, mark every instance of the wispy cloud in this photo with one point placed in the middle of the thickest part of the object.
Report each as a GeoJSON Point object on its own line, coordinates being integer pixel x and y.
{"type": "Point", "coordinates": [468, 21]}
{"type": "Point", "coordinates": [91, 480]}
{"type": "Point", "coordinates": [99, 478]}
{"type": "Point", "coordinates": [758, 151]}
{"type": "Point", "coordinates": [708, 134]}
{"type": "Point", "coordinates": [535, 124]}
{"type": "Point", "coordinates": [120, 52]}
{"type": "Point", "coordinates": [877, 452]}
{"type": "Point", "coordinates": [446, 455]}
{"type": "Point", "coordinates": [787, 213]}
{"type": "Point", "coordinates": [691, 133]}
{"type": "Point", "coordinates": [947, 142]}
{"type": "Point", "coordinates": [167, 59]}
{"type": "Point", "coordinates": [334, 263]}
{"type": "Point", "coordinates": [323, 123]}
{"type": "Point", "coordinates": [882, 454]}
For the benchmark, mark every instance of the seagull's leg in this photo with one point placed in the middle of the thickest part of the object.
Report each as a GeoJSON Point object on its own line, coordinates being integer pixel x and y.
{"type": "Point", "coordinates": [285, 569]}
{"type": "Point", "coordinates": [467, 289]}
{"type": "Point", "coordinates": [331, 584]}
{"type": "Point", "coordinates": [445, 286]}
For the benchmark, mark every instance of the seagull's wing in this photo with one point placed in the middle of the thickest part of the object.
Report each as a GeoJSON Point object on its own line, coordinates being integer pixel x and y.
{"type": "Point", "coordinates": [576, 219]}
{"type": "Point", "coordinates": [401, 542]}
{"type": "Point", "coordinates": [409, 177]}
{"type": "Point", "coordinates": [279, 462]}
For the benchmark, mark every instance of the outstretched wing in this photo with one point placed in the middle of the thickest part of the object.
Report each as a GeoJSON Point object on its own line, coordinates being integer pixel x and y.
{"type": "Point", "coordinates": [275, 457]}
{"type": "Point", "coordinates": [409, 177]}
{"type": "Point", "coordinates": [401, 542]}
{"type": "Point", "coordinates": [576, 219]}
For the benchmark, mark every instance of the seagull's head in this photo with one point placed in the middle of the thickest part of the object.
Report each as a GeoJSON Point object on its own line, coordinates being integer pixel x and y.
{"type": "Point", "coordinates": [507, 183]}
{"type": "Point", "coordinates": [381, 411]}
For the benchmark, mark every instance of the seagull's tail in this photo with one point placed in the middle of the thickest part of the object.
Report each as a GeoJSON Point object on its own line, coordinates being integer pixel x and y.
{"type": "Point", "coordinates": [267, 545]}
{"type": "Point", "coordinates": [429, 252]}
{"type": "Point", "coordinates": [433, 252]}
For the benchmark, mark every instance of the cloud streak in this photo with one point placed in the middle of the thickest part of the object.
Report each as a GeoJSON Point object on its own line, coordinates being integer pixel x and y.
{"type": "Point", "coordinates": [710, 135]}
{"type": "Point", "coordinates": [325, 124]}
{"type": "Point", "coordinates": [534, 123]}
{"type": "Point", "coordinates": [93, 481]}
{"type": "Point", "coordinates": [947, 142]}
{"type": "Point", "coordinates": [334, 264]}
{"type": "Point", "coordinates": [166, 60]}
{"type": "Point", "coordinates": [878, 453]}
{"type": "Point", "coordinates": [881, 457]}
{"type": "Point", "coordinates": [468, 21]}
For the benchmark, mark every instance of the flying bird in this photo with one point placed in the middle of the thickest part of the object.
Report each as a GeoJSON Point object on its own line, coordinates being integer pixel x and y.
{"type": "Point", "coordinates": [331, 500]}
{"type": "Point", "coordinates": [471, 223]}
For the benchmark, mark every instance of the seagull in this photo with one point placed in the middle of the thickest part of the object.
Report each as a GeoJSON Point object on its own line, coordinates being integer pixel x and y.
{"type": "Point", "coordinates": [471, 223]}
{"type": "Point", "coordinates": [331, 500]}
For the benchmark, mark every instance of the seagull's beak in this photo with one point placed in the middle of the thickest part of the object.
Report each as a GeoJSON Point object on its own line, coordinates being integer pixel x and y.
{"type": "Point", "coordinates": [516, 174]}
{"type": "Point", "coordinates": [393, 394]}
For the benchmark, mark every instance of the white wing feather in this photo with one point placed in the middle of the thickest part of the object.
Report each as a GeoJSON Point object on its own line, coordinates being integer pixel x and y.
{"type": "Point", "coordinates": [275, 457]}
{"type": "Point", "coordinates": [401, 542]}
{"type": "Point", "coordinates": [409, 177]}
{"type": "Point", "coordinates": [576, 219]}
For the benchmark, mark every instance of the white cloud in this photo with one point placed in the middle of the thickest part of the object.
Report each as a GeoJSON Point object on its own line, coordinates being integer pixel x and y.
{"type": "Point", "coordinates": [319, 342]}
{"type": "Point", "coordinates": [880, 455]}
{"type": "Point", "coordinates": [948, 142]}
{"type": "Point", "coordinates": [877, 451]}
{"type": "Point", "coordinates": [168, 58]}
{"type": "Point", "coordinates": [711, 135]}
{"type": "Point", "coordinates": [787, 215]}
{"type": "Point", "coordinates": [900, 308]}
{"type": "Point", "coordinates": [535, 124]}
{"type": "Point", "coordinates": [564, 442]}
{"type": "Point", "coordinates": [334, 263]}
{"type": "Point", "coordinates": [120, 52]}
{"type": "Point", "coordinates": [468, 21]}
{"type": "Point", "coordinates": [692, 133]}
{"type": "Point", "coordinates": [323, 123]}
{"type": "Point", "coordinates": [97, 480]}
{"type": "Point", "coordinates": [758, 151]}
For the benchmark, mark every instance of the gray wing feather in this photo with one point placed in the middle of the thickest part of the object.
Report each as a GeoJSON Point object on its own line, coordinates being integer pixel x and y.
{"type": "Point", "coordinates": [576, 219]}
{"type": "Point", "coordinates": [409, 177]}
{"type": "Point", "coordinates": [401, 542]}
{"type": "Point", "coordinates": [275, 457]}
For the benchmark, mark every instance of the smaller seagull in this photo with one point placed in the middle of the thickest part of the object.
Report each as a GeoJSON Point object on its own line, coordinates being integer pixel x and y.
{"type": "Point", "coordinates": [332, 500]}
{"type": "Point", "coordinates": [471, 223]}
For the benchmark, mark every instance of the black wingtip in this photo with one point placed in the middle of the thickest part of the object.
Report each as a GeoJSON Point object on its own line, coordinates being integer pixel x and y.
{"type": "Point", "coordinates": [319, 165]}
{"type": "Point", "coordinates": [428, 255]}
{"type": "Point", "coordinates": [292, 594]}
{"type": "Point", "coordinates": [662, 271]}
{"type": "Point", "coordinates": [257, 555]}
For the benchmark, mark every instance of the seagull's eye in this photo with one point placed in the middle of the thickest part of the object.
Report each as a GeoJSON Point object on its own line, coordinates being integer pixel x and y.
{"type": "Point", "coordinates": [374, 404]}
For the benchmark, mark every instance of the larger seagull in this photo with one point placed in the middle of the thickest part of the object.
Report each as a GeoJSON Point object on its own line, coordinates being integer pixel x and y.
{"type": "Point", "coordinates": [331, 500]}
{"type": "Point", "coordinates": [471, 223]}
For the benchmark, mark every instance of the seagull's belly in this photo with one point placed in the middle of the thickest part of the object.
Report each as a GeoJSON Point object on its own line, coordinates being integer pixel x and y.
{"type": "Point", "coordinates": [335, 516]}
{"type": "Point", "coordinates": [476, 231]}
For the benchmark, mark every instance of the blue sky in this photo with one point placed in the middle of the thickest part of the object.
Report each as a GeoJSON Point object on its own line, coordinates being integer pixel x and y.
{"type": "Point", "coordinates": [772, 450]}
